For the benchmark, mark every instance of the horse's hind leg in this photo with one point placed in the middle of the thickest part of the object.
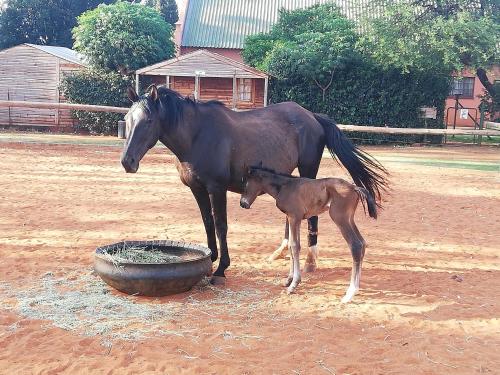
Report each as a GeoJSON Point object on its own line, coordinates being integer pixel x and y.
{"type": "Point", "coordinates": [280, 252]}
{"type": "Point", "coordinates": [356, 243]}
{"type": "Point", "coordinates": [312, 250]}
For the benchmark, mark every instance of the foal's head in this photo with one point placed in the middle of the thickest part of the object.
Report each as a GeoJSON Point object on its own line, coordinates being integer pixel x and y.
{"type": "Point", "coordinates": [142, 127]}
{"type": "Point", "coordinates": [252, 187]}
{"type": "Point", "coordinates": [259, 180]}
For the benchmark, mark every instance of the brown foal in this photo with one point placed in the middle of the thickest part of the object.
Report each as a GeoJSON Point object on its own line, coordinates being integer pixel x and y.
{"type": "Point", "coordinates": [301, 198]}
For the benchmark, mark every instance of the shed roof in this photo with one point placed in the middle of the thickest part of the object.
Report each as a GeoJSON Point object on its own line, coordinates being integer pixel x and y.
{"type": "Point", "coordinates": [61, 52]}
{"type": "Point", "coordinates": [211, 64]}
{"type": "Point", "coordinates": [226, 23]}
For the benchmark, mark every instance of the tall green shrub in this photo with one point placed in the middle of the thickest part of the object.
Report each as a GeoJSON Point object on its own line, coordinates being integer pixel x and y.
{"type": "Point", "coordinates": [92, 86]}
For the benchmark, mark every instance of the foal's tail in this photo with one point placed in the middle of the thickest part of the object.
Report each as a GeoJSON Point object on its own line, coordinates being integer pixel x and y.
{"type": "Point", "coordinates": [367, 198]}
{"type": "Point", "coordinates": [365, 171]}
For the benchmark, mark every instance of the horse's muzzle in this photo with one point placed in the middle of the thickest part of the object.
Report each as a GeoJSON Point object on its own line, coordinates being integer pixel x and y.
{"type": "Point", "coordinates": [130, 164]}
{"type": "Point", "coordinates": [244, 203]}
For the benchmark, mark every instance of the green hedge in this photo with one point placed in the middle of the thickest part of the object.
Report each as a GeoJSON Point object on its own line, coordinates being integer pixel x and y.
{"type": "Point", "coordinates": [99, 88]}
{"type": "Point", "coordinates": [364, 94]}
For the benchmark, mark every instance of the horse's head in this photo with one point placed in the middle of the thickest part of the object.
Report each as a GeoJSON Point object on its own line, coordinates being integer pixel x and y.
{"type": "Point", "coordinates": [252, 187]}
{"type": "Point", "coordinates": [142, 127]}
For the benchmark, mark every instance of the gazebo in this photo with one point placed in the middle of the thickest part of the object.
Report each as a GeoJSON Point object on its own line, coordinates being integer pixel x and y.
{"type": "Point", "coordinates": [209, 76]}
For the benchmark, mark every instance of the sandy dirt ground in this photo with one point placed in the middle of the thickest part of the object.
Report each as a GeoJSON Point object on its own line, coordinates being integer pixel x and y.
{"type": "Point", "coordinates": [429, 300]}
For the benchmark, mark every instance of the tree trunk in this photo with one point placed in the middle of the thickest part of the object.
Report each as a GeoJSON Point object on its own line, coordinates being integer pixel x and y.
{"type": "Point", "coordinates": [481, 74]}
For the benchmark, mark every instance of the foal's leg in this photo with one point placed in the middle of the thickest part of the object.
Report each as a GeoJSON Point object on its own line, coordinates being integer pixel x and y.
{"type": "Point", "coordinates": [345, 222]}
{"type": "Point", "coordinates": [218, 200]}
{"type": "Point", "coordinates": [295, 251]}
{"type": "Point", "coordinates": [309, 169]}
{"type": "Point", "coordinates": [280, 252]}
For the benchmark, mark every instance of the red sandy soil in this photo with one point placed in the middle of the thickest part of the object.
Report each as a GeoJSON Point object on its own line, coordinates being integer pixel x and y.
{"type": "Point", "coordinates": [429, 300]}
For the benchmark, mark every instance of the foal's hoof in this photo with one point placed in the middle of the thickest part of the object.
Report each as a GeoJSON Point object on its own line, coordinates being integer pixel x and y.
{"type": "Point", "coordinates": [218, 280]}
{"type": "Point", "coordinates": [290, 289]}
{"type": "Point", "coordinates": [309, 267]}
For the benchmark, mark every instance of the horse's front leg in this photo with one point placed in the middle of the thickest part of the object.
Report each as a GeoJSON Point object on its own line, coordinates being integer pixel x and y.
{"type": "Point", "coordinates": [295, 251]}
{"type": "Point", "coordinates": [218, 200]}
{"type": "Point", "coordinates": [203, 200]}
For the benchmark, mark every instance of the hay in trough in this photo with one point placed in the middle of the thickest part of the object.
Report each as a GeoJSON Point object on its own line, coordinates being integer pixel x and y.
{"type": "Point", "coordinates": [128, 253]}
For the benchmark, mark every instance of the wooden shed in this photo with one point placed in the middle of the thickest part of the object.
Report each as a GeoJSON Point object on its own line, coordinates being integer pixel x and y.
{"type": "Point", "coordinates": [30, 72]}
{"type": "Point", "coordinates": [209, 76]}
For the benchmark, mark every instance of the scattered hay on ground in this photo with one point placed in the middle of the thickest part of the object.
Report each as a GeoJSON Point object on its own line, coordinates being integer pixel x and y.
{"type": "Point", "coordinates": [86, 305]}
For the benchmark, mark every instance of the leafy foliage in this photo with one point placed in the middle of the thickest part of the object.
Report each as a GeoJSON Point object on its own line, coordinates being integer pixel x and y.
{"type": "Point", "coordinates": [123, 37]}
{"type": "Point", "coordinates": [97, 87]}
{"type": "Point", "coordinates": [315, 60]}
{"type": "Point", "coordinates": [410, 38]}
{"type": "Point", "coordinates": [167, 8]}
{"type": "Point", "coordinates": [41, 21]}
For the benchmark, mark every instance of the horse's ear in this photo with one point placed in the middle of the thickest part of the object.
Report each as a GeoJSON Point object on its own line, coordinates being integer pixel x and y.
{"type": "Point", "coordinates": [153, 93]}
{"type": "Point", "coordinates": [132, 95]}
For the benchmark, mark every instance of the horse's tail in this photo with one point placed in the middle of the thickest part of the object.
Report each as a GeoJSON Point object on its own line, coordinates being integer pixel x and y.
{"type": "Point", "coordinates": [367, 198]}
{"type": "Point", "coordinates": [365, 171]}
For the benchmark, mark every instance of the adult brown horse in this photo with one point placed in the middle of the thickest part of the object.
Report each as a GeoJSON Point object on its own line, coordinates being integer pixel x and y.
{"type": "Point", "coordinates": [214, 145]}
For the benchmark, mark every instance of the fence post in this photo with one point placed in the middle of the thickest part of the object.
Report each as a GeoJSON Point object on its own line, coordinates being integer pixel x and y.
{"type": "Point", "coordinates": [121, 129]}
{"type": "Point", "coordinates": [482, 110]}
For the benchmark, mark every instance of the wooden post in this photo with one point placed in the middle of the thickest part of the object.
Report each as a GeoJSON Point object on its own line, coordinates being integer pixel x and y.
{"type": "Point", "coordinates": [58, 96]}
{"type": "Point", "coordinates": [8, 99]}
{"type": "Point", "coordinates": [196, 86]}
{"type": "Point", "coordinates": [266, 85]}
{"type": "Point", "coordinates": [482, 109]}
{"type": "Point", "coordinates": [234, 90]}
{"type": "Point", "coordinates": [137, 83]}
{"type": "Point", "coordinates": [168, 81]}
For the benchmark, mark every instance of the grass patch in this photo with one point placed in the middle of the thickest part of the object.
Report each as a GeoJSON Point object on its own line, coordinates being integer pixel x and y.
{"type": "Point", "coordinates": [494, 139]}
{"type": "Point", "coordinates": [458, 164]}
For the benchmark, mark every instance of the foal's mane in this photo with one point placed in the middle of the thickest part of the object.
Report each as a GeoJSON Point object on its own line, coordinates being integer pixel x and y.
{"type": "Point", "coordinates": [272, 171]}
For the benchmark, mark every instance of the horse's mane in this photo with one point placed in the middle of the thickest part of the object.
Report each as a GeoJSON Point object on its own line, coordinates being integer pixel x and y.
{"type": "Point", "coordinates": [174, 103]}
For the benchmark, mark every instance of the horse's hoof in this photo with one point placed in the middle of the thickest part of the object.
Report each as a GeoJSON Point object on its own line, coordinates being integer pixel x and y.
{"type": "Point", "coordinates": [275, 256]}
{"type": "Point", "coordinates": [346, 299]}
{"type": "Point", "coordinates": [290, 290]}
{"type": "Point", "coordinates": [309, 267]}
{"type": "Point", "coordinates": [218, 280]}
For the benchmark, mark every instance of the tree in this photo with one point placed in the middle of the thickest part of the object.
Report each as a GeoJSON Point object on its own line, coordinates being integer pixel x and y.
{"type": "Point", "coordinates": [41, 21]}
{"type": "Point", "coordinates": [123, 37]}
{"type": "Point", "coordinates": [314, 43]}
{"type": "Point", "coordinates": [167, 8]}
{"type": "Point", "coordinates": [314, 58]}
{"type": "Point", "coordinates": [444, 36]}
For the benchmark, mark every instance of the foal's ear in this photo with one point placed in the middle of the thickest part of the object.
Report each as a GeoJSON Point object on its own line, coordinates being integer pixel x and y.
{"type": "Point", "coordinates": [132, 95]}
{"type": "Point", "coordinates": [153, 93]}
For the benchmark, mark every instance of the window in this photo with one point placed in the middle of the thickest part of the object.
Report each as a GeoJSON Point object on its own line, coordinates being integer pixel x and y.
{"type": "Point", "coordinates": [245, 89]}
{"type": "Point", "coordinates": [463, 86]}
